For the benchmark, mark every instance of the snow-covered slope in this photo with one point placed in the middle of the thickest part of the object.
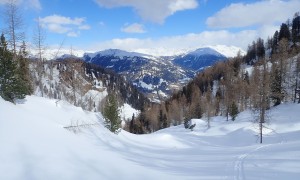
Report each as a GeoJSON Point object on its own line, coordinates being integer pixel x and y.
{"type": "Point", "coordinates": [115, 53]}
{"type": "Point", "coordinates": [228, 51]}
{"type": "Point", "coordinates": [149, 74]}
{"type": "Point", "coordinates": [146, 71]}
{"type": "Point", "coordinates": [199, 59]}
{"type": "Point", "coordinates": [205, 51]}
{"type": "Point", "coordinates": [35, 145]}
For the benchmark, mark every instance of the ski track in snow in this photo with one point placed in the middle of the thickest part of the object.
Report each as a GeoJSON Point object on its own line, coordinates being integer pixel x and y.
{"type": "Point", "coordinates": [43, 149]}
{"type": "Point", "coordinates": [239, 173]}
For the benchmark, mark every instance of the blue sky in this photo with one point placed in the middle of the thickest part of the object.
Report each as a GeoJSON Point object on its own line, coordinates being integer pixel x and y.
{"type": "Point", "coordinates": [154, 25]}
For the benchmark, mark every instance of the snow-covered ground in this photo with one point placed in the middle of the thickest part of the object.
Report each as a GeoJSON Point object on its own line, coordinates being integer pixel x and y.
{"type": "Point", "coordinates": [35, 145]}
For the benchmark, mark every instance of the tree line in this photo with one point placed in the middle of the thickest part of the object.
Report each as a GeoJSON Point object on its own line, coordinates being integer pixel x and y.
{"type": "Point", "coordinates": [266, 76]}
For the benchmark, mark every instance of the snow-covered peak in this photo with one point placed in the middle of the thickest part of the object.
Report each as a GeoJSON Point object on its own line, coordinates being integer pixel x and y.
{"type": "Point", "coordinates": [205, 51]}
{"type": "Point", "coordinates": [228, 51]}
{"type": "Point", "coordinates": [115, 52]}
{"type": "Point", "coordinates": [54, 53]}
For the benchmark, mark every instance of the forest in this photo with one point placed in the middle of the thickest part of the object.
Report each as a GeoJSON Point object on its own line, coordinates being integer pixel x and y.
{"type": "Point", "coordinates": [266, 76]}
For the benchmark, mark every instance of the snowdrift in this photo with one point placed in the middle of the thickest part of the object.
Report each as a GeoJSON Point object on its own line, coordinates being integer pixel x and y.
{"type": "Point", "coordinates": [38, 141]}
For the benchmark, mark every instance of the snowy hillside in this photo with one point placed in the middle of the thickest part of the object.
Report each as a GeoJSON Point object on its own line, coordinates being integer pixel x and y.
{"type": "Point", "coordinates": [228, 51]}
{"type": "Point", "coordinates": [35, 145]}
{"type": "Point", "coordinates": [115, 53]}
{"type": "Point", "coordinates": [205, 51]}
{"type": "Point", "coordinates": [199, 59]}
{"type": "Point", "coordinates": [153, 74]}
{"type": "Point", "coordinates": [149, 74]}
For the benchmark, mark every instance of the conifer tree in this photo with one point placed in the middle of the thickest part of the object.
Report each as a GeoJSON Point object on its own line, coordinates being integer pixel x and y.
{"type": "Point", "coordinates": [23, 70]}
{"type": "Point", "coordinates": [275, 42]}
{"type": "Point", "coordinates": [160, 119]}
{"type": "Point", "coordinates": [296, 28]}
{"type": "Point", "coordinates": [111, 114]}
{"type": "Point", "coordinates": [275, 86]}
{"type": "Point", "coordinates": [284, 32]}
{"type": "Point", "coordinates": [11, 86]}
{"type": "Point", "coordinates": [165, 121]}
{"type": "Point", "coordinates": [233, 111]}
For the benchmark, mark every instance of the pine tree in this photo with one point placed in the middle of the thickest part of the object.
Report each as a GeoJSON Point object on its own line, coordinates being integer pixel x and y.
{"type": "Point", "coordinates": [198, 111]}
{"type": "Point", "coordinates": [165, 121]}
{"type": "Point", "coordinates": [11, 86]}
{"type": "Point", "coordinates": [160, 119]}
{"type": "Point", "coordinates": [260, 48]}
{"type": "Point", "coordinates": [233, 112]}
{"type": "Point", "coordinates": [275, 42]}
{"type": "Point", "coordinates": [23, 70]}
{"type": "Point", "coordinates": [275, 86]}
{"type": "Point", "coordinates": [131, 124]}
{"type": "Point", "coordinates": [111, 114]}
{"type": "Point", "coordinates": [296, 28]}
{"type": "Point", "coordinates": [284, 32]}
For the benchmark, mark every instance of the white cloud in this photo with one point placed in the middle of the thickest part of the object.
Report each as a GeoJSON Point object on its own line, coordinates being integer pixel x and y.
{"type": "Point", "coordinates": [58, 28]}
{"type": "Point", "coordinates": [152, 10]}
{"type": "Point", "coordinates": [35, 4]}
{"type": "Point", "coordinates": [177, 44]}
{"type": "Point", "coordinates": [64, 25]}
{"type": "Point", "coordinates": [259, 13]}
{"type": "Point", "coordinates": [133, 28]}
{"type": "Point", "coordinates": [84, 27]}
{"type": "Point", "coordinates": [57, 19]}
{"type": "Point", "coordinates": [73, 34]}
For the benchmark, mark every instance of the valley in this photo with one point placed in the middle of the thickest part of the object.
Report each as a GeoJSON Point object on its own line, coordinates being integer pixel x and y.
{"type": "Point", "coordinates": [157, 76]}
{"type": "Point", "coordinates": [137, 89]}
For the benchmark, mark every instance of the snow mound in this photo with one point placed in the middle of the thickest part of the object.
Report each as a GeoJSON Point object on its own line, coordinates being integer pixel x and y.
{"type": "Point", "coordinates": [50, 139]}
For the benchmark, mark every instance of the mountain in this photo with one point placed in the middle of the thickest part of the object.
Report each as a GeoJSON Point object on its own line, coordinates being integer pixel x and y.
{"type": "Point", "coordinates": [199, 59]}
{"type": "Point", "coordinates": [117, 60]}
{"type": "Point", "coordinates": [158, 76]}
{"type": "Point", "coordinates": [228, 51]}
{"type": "Point", "coordinates": [155, 76]}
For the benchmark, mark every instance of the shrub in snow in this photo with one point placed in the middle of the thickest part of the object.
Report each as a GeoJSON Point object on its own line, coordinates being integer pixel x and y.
{"type": "Point", "coordinates": [188, 124]}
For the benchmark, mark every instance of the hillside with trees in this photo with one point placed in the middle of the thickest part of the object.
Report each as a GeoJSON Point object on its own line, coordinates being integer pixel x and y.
{"type": "Point", "coordinates": [266, 76]}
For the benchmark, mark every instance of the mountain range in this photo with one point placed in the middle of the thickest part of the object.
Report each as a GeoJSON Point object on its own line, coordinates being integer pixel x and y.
{"type": "Point", "coordinates": [158, 76]}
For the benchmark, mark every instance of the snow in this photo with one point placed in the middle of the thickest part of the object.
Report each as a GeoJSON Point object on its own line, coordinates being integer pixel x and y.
{"type": "Point", "coordinates": [53, 53]}
{"type": "Point", "coordinates": [35, 145]}
{"type": "Point", "coordinates": [249, 69]}
{"type": "Point", "coordinates": [205, 51]}
{"type": "Point", "coordinates": [115, 52]}
{"type": "Point", "coordinates": [126, 112]}
{"type": "Point", "coordinates": [228, 51]}
{"type": "Point", "coordinates": [153, 53]}
{"type": "Point", "coordinates": [144, 85]}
